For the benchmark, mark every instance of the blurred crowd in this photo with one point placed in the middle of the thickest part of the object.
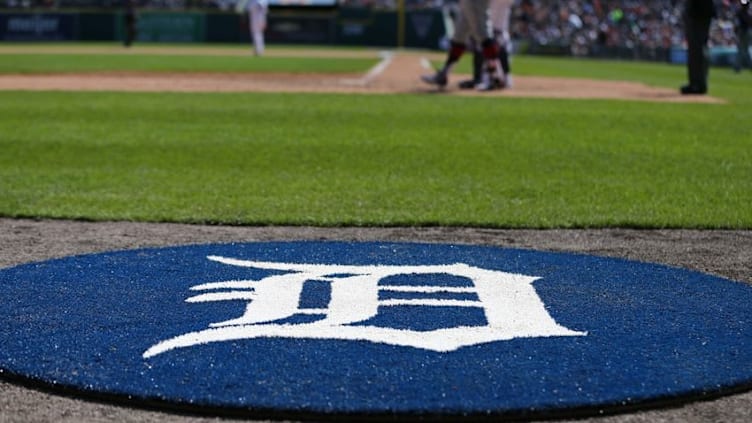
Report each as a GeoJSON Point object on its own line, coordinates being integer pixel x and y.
{"type": "Point", "coordinates": [593, 24]}
{"type": "Point", "coordinates": [588, 25]}
{"type": "Point", "coordinates": [584, 25]}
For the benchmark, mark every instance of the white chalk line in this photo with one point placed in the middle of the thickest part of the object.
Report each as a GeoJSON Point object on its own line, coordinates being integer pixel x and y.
{"type": "Point", "coordinates": [374, 72]}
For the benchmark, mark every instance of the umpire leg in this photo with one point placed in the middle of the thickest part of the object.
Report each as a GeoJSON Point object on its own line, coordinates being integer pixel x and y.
{"type": "Point", "coordinates": [743, 60]}
{"type": "Point", "coordinates": [697, 32]}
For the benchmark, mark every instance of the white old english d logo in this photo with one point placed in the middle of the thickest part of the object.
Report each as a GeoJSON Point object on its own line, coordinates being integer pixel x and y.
{"type": "Point", "coordinates": [511, 306]}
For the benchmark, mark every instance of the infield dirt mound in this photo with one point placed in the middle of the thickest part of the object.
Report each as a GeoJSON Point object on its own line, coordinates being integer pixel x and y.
{"type": "Point", "coordinates": [397, 73]}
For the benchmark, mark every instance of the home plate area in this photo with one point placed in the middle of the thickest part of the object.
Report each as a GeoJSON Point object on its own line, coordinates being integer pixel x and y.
{"type": "Point", "coordinates": [383, 331]}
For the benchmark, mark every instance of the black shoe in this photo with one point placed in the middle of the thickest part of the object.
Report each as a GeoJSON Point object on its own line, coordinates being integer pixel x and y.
{"type": "Point", "coordinates": [693, 90]}
{"type": "Point", "coordinates": [439, 79]}
{"type": "Point", "coordinates": [467, 84]}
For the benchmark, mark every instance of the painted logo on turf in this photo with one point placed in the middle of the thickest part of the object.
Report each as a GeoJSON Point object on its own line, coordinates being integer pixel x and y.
{"type": "Point", "coordinates": [314, 328]}
{"type": "Point", "coordinates": [509, 303]}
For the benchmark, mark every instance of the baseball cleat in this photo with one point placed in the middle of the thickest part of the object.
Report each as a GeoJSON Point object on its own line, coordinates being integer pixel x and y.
{"type": "Point", "coordinates": [490, 84]}
{"type": "Point", "coordinates": [467, 84]}
{"type": "Point", "coordinates": [439, 79]}
{"type": "Point", "coordinates": [693, 90]}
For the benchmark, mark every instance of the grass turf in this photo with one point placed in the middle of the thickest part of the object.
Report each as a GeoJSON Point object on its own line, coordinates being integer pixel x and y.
{"type": "Point", "coordinates": [326, 159]}
{"type": "Point", "coordinates": [67, 63]}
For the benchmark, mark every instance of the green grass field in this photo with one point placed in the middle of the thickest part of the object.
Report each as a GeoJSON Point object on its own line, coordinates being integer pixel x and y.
{"type": "Point", "coordinates": [67, 63]}
{"type": "Point", "coordinates": [407, 159]}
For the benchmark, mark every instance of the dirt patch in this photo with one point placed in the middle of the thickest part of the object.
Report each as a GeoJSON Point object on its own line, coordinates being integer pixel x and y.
{"type": "Point", "coordinates": [397, 73]}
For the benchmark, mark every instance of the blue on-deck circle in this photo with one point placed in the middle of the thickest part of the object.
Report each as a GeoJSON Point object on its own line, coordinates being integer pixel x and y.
{"type": "Point", "coordinates": [343, 328]}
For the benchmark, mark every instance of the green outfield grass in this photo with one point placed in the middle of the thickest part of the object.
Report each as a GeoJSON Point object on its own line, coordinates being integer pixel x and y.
{"type": "Point", "coordinates": [66, 63]}
{"type": "Point", "coordinates": [326, 159]}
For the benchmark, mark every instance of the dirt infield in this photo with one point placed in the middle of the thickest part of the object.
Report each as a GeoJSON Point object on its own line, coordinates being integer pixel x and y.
{"type": "Point", "coordinates": [397, 73]}
{"type": "Point", "coordinates": [724, 253]}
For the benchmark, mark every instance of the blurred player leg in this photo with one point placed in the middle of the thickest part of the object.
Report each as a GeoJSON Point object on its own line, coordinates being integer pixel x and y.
{"type": "Point", "coordinates": [471, 22]}
{"type": "Point", "coordinates": [470, 84]}
{"type": "Point", "coordinates": [491, 75]}
{"type": "Point", "coordinates": [258, 26]}
{"type": "Point", "coordinates": [457, 48]}
{"type": "Point", "coordinates": [441, 77]}
{"type": "Point", "coordinates": [130, 23]}
{"type": "Point", "coordinates": [499, 12]}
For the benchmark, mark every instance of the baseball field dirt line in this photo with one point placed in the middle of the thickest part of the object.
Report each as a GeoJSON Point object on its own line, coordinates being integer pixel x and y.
{"type": "Point", "coordinates": [400, 75]}
{"type": "Point", "coordinates": [724, 253]}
